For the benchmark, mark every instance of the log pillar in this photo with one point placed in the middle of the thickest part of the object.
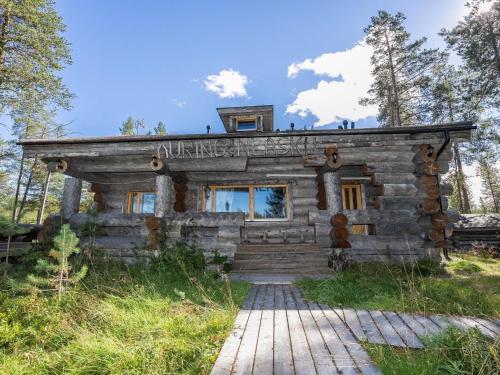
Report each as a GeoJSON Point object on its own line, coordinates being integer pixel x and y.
{"type": "Point", "coordinates": [164, 188]}
{"type": "Point", "coordinates": [72, 194]}
{"type": "Point", "coordinates": [332, 192]}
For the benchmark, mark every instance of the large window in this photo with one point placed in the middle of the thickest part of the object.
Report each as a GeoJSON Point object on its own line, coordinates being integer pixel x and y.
{"type": "Point", "coordinates": [140, 202]}
{"type": "Point", "coordinates": [258, 202]}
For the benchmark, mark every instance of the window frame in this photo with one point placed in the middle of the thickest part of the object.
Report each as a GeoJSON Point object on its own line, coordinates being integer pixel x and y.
{"type": "Point", "coordinates": [251, 195]}
{"type": "Point", "coordinates": [130, 196]}
{"type": "Point", "coordinates": [356, 228]}
{"type": "Point", "coordinates": [246, 120]}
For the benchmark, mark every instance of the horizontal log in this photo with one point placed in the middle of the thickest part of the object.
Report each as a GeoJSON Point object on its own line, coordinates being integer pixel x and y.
{"type": "Point", "coordinates": [394, 178]}
{"type": "Point", "coordinates": [400, 189]}
{"type": "Point", "coordinates": [402, 242]}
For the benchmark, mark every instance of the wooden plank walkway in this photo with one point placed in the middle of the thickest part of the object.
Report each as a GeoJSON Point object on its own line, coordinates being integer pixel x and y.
{"type": "Point", "coordinates": [405, 330]}
{"type": "Point", "coordinates": [277, 332]}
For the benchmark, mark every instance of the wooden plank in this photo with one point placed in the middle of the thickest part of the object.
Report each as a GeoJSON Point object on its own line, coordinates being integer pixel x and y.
{"type": "Point", "coordinates": [264, 352]}
{"type": "Point", "coordinates": [473, 324]}
{"type": "Point", "coordinates": [458, 323]}
{"type": "Point", "coordinates": [414, 324]}
{"type": "Point", "coordinates": [224, 363]}
{"type": "Point", "coordinates": [340, 355]}
{"type": "Point", "coordinates": [283, 360]}
{"type": "Point", "coordinates": [441, 321]}
{"type": "Point", "coordinates": [371, 331]}
{"type": "Point", "coordinates": [429, 326]}
{"type": "Point", "coordinates": [488, 324]}
{"type": "Point", "coordinates": [388, 332]}
{"type": "Point", "coordinates": [243, 363]}
{"type": "Point", "coordinates": [404, 331]}
{"type": "Point", "coordinates": [351, 319]}
{"type": "Point", "coordinates": [358, 354]}
{"type": "Point", "coordinates": [321, 356]}
{"type": "Point", "coordinates": [302, 358]}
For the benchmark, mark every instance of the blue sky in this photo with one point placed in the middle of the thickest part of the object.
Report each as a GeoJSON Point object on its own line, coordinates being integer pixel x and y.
{"type": "Point", "coordinates": [158, 60]}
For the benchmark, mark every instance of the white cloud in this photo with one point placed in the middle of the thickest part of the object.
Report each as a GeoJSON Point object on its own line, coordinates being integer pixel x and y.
{"type": "Point", "coordinates": [337, 99]}
{"type": "Point", "coordinates": [179, 103]}
{"type": "Point", "coordinates": [227, 83]}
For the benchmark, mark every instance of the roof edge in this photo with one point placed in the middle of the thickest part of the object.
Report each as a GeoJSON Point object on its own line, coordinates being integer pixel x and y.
{"type": "Point", "coordinates": [453, 126]}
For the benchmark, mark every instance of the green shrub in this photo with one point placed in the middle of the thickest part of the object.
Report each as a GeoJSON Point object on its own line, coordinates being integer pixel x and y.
{"type": "Point", "coordinates": [465, 267]}
{"type": "Point", "coordinates": [181, 256]}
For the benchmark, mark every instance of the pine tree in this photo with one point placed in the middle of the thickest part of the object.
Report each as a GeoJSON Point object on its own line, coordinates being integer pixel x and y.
{"type": "Point", "coordinates": [160, 129]}
{"type": "Point", "coordinates": [57, 275]}
{"type": "Point", "coordinates": [32, 52]}
{"type": "Point", "coordinates": [476, 39]}
{"type": "Point", "coordinates": [401, 70]}
{"type": "Point", "coordinates": [445, 100]}
{"type": "Point", "coordinates": [490, 181]}
{"type": "Point", "coordinates": [128, 127]}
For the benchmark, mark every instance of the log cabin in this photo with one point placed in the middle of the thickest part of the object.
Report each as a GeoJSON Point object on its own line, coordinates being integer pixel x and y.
{"type": "Point", "coordinates": [268, 200]}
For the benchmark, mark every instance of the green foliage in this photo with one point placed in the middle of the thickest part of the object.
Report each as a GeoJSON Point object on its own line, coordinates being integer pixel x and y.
{"type": "Point", "coordinates": [449, 352]}
{"type": "Point", "coordinates": [127, 127]}
{"type": "Point", "coordinates": [423, 288]}
{"type": "Point", "coordinates": [120, 319]}
{"type": "Point", "coordinates": [475, 39]}
{"type": "Point", "coordinates": [160, 129]}
{"type": "Point", "coordinates": [401, 70]}
{"type": "Point", "coordinates": [91, 228]}
{"type": "Point", "coordinates": [181, 256]}
{"type": "Point", "coordinates": [56, 276]}
{"type": "Point", "coordinates": [465, 267]}
{"type": "Point", "coordinates": [33, 52]}
{"type": "Point", "coordinates": [217, 258]}
{"type": "Point", "coordinates": [9, 227]}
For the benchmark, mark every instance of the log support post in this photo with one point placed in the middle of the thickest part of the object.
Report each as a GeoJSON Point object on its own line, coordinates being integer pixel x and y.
{"type": "Point", "coordinates": [332, 192]}
{"type": "Point", "coordinates": [164, 188]}
{"type": "Point", "coordinates": [72, 193]}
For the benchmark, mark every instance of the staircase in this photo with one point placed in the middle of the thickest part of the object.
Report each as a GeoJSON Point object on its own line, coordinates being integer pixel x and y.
{"type": "Point", "coordinates": [296, 259]}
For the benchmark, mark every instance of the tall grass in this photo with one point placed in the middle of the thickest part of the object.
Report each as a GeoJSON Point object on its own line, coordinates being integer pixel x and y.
{"type": "Point", "coordinates": [449, 352]}
{"type": "Point", "coordinates": [424, 288]}
{"type": "Point", "coordinates": [121, 319]}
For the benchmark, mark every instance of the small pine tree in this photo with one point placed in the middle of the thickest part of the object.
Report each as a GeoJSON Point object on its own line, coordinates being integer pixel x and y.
{"type": "Point", "coordinates": [160, 129]}
{"type": "Point", "coordinates": [128, 127]}
{"type": "Point", "coordinates": [8, 228]}
{"type": "Point", "coordinates": [57, 276]}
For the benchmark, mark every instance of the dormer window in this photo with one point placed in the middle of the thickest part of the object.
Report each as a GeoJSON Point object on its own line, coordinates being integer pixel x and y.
{"type": "Point", "coordinates": [246, 124]}
{"type": "Point", "coordinates": [247, 119]}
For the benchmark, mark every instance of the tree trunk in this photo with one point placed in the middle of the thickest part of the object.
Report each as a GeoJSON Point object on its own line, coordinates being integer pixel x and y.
{"type": "Point", "coordinates": [18, 188]}
{"type": "Point", "coordinates": [39, 218]}
{"type": "Point", "coordinates": [26, 190]}
{"type": "Point", "coordinates": [463, 193]}
{"type": "Point", "coordinates": [494, 45]}
{"type": "Point", "coordinates": [7, 252]}
{"type": "Point", "coordinates": [394, 84]}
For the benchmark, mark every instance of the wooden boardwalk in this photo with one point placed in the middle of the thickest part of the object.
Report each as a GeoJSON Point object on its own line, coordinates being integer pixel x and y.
{"type": "Point", "coordinates": [277, 332]}
{"type": "Point", "coordinates": [405, 330]}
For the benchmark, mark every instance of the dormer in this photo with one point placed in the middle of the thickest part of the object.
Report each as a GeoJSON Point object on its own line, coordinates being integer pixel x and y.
{"type": "Point", "coordinates": [257, 118]}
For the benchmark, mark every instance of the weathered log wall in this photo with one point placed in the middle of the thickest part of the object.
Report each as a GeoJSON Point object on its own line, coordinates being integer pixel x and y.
{"type": "Point", "coordinates": [402, 205]}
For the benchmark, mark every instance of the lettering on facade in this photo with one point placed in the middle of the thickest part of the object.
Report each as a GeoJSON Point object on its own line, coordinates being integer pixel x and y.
{"type": "Point", "coordinates": [239, 147]}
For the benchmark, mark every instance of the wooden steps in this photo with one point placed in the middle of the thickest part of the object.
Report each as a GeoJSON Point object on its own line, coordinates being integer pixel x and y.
{"type": "Point", "coordinates": [284, 258]}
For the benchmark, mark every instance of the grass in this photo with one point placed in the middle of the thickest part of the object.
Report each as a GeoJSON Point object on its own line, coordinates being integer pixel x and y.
{"type": "Point", "coordinates": [120, 320]}
{"type": "Point", "coordinates": [468, 285]}
{"type": "Point", "coordinates": [450, 352]}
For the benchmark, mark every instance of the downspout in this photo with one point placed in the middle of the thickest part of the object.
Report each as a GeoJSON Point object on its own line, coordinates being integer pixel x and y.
{"type": "Point", "coordinates": [441, 149]}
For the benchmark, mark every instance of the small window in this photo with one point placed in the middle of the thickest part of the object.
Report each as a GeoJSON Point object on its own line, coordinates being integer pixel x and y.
{"type": "Point", "coordinates": [141, 202]}
{"type": "Point", "coordinates": [352, 197]}
{"type": "Point", "coordinates": [246, 126]}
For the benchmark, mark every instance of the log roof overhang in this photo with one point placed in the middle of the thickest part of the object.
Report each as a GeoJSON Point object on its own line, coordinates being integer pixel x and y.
{"type": "Point", "coordinates": [437, 128]}
{"type": "Point", "coordinates": [127, 158]}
